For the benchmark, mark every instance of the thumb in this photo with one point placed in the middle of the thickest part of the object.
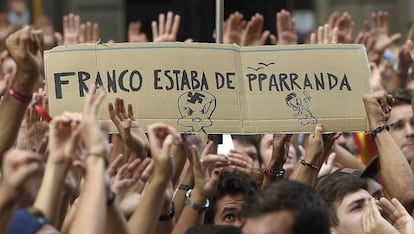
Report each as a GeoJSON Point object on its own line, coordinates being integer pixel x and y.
{"type": "Point", "coordinates": [394, 38]}
{"type": "Point", "coordinates": [166, 145]}
{"type": "Point", "coordinates": [211, 185]}
{"type": "Point", "coordinates": [273, 39]}
{"type": "Point", "coordinates": [59, 38]}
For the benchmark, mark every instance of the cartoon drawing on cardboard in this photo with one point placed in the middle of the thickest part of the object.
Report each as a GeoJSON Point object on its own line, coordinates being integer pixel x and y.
{"type": "Point", "coordinates": [301, 110]}
{"type": "Point", "coordinates": [196, 108]}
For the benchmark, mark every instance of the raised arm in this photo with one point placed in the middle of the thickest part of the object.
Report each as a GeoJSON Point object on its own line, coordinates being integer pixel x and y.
{"type": "Point", "coordinates": [64, 135]}
{"type": "Point", "coordinates": [196, 200]}
{"type": "Point", "coordinates": [131, 132]}
{"type": "Point", "coordinates": [274, 171]}
{"type": "Point", "coordinates": [161, 138]}
{"type": "Point", "coordinates": [18, 167]}
{"type": "Point", "coordinates": [91, 211]}
{"type": "Point", "coordinates": [396, 174]}
{"type": "Point", "coordinates": [24, 50]}
{"type": "Point", "coordinates": [307, 169]}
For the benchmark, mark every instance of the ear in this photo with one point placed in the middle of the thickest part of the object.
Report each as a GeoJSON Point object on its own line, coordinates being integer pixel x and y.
{"type": "Point", "coordinates": [333, 230]}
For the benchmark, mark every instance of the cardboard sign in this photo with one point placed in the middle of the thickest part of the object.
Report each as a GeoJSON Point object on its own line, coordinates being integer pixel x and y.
{"type": "Point", "coordinates": [217, 88]}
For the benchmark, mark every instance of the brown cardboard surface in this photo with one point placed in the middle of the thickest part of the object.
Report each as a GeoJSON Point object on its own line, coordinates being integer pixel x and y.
{"type": "Point", "coordinates": [217, 88]}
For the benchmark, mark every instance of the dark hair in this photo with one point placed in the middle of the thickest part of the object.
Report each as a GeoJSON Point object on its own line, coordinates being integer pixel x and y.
{"type": "Point", "coordinates": [310, 212]}
{"type": "Point", "coordinates": [290, 96]}
{"type": "Point", "coordinates": [335, 186]}
{"type": "Point", "coordinates": [213, 229]}
{"type": "Point", "coordinates": [401, 97]}
{"type": "Point", "coordinates": [231, 183]}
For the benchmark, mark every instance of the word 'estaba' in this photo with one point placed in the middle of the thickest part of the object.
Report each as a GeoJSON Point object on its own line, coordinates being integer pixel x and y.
{"type": "Point", "coordinates": [292, 81]}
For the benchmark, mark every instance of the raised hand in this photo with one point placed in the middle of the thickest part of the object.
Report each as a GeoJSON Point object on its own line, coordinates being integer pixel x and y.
{"type": "Point", "coordinates": [135, 34]}
{"type": "Point", "coordinates": [285, 28]}
{"type": "Point", "coordinates": [345, 27]}
{"type": "Point", "coordinates": [406, 53]}
{"type": "Point", "coordinates": [324, 35]}
{"type": "Point", "coordinates": [240, 161]}
{"type": "Point", "coordinates": [161, 136]}
{"type": "Point", "coordinates": [397, 215]}
{"type": "Point", "coordinates": [25, 52]}
{"type": "Point", "coordinates": [95, 141]}
{"type": "Point", "coordinates": [127, 176]}
{"type": "Point", "coordinates": [18, 167]}
{"type": "Point", "coordinates": [89, 33]}
{"type": "Point", "coordinates": [131, 132]}
{"type": "Point", "coordinates": [379, 38]}
{"type": "Point", "coordinates": [232, 29]}
{"type": "Point", "coordinates": [253, 34]}
{"type": "Point", "coordinates": [373, 222]}
{"type": "Point", "coordinates": [165, 30]}
{"type": "Point", "coordinates": [71, 30]}
{"type": "Point", "coordinates": [64, 138]}
{"type": "Point", "coordinates": [378, 108]}
{"type": "Point", "coordinates": [204, 184]}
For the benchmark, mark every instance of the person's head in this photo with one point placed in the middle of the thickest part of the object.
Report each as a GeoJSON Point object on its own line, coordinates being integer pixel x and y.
{"type": "Point", "coordinates": [347, 198]}
{"type": "Point", "coordinates": [287, 207]}
{"type": "Point", "coordinates": [232, 191]}
{"type": "Point", "coordinates": [213, 229]}
{"type": "Point", "coordinates": [248, 144]}
{"type": "Point", "coordinates": [293, 101]}
{"type": "Point", "coordinates": [401, 118]}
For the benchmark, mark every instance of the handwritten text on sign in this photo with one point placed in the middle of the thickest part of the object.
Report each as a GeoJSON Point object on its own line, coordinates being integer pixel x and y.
{"type": "Point", "coordinates": [218, 88]}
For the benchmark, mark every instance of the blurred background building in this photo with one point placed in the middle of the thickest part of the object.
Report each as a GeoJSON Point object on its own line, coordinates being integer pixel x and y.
{"type": "Point", "coordinates": [198, 15]}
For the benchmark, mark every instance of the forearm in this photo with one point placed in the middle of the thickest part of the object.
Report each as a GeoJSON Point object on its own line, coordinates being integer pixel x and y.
{"type": "Point", "coordinates": [165, 226]}
{"type": "Point", "coordinates": [115, 221]}
{"type": "Point", "coordinates": [395, 171]}
{"type": "Point", "coordinates": [6, 210]}
{"type": "Point", "coordinates": [70, 215]}
{"type": "Point", "coordinates": [306, 174]}
{"type": "Point", "coordinates": [12, 112]}
{"type": "Point", "coordinates": [190, 217]}
{"type": "Point", "coordinates": [179, 159]}
{"type": "Point", "coordinates": [346, 159]}
{"type": "Point", "coordinates": [145, 217]}
{"type": "Point", "coordinates": [276, 164]}
{"type": "Point", "coordinates": [179, 195]}
{"type": "Point", "coordinates": [92, 201]}
{"type": "Point", "coordinates": [50, 193]}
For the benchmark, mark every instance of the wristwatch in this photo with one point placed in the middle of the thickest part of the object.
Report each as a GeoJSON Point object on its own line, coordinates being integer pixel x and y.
{"type": "Point", "coordinates": [170, 214]}
{"type": "Point", "coordinates": [191, 204]}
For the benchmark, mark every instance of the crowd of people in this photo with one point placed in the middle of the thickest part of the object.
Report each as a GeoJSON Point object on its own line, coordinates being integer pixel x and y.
{"type": "Point", "coordinates": [68, 175]}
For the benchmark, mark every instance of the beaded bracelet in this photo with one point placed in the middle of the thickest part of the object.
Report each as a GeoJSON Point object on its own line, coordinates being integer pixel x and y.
{"type": "Point", "coordinates": [19, 96]}
{"type": "Point", "coordinates": [304, 163]}
{"type": "Point", "coordinates": [378, 130]}
{"type": "Point", "coordinates": [274, 175]}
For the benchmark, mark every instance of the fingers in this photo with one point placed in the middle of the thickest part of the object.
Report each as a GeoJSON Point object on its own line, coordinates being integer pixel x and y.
{"type": "Point", "coordinates": [197, 169]}
{"type": "Point", "coordinates": [161, 23]}
{"type": "Point", "coordinates": [176, 25]}
{"type": "Point", "coordinates": [154, 27]}
{"type": "Point", "coordinates": [139, 171]}
{"type": "Point", "coordinates": [318, 132]}
{"type": "Point", "coordinates": [213, 159]}
{"type": "Point", "coordinates": [115, 164]}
